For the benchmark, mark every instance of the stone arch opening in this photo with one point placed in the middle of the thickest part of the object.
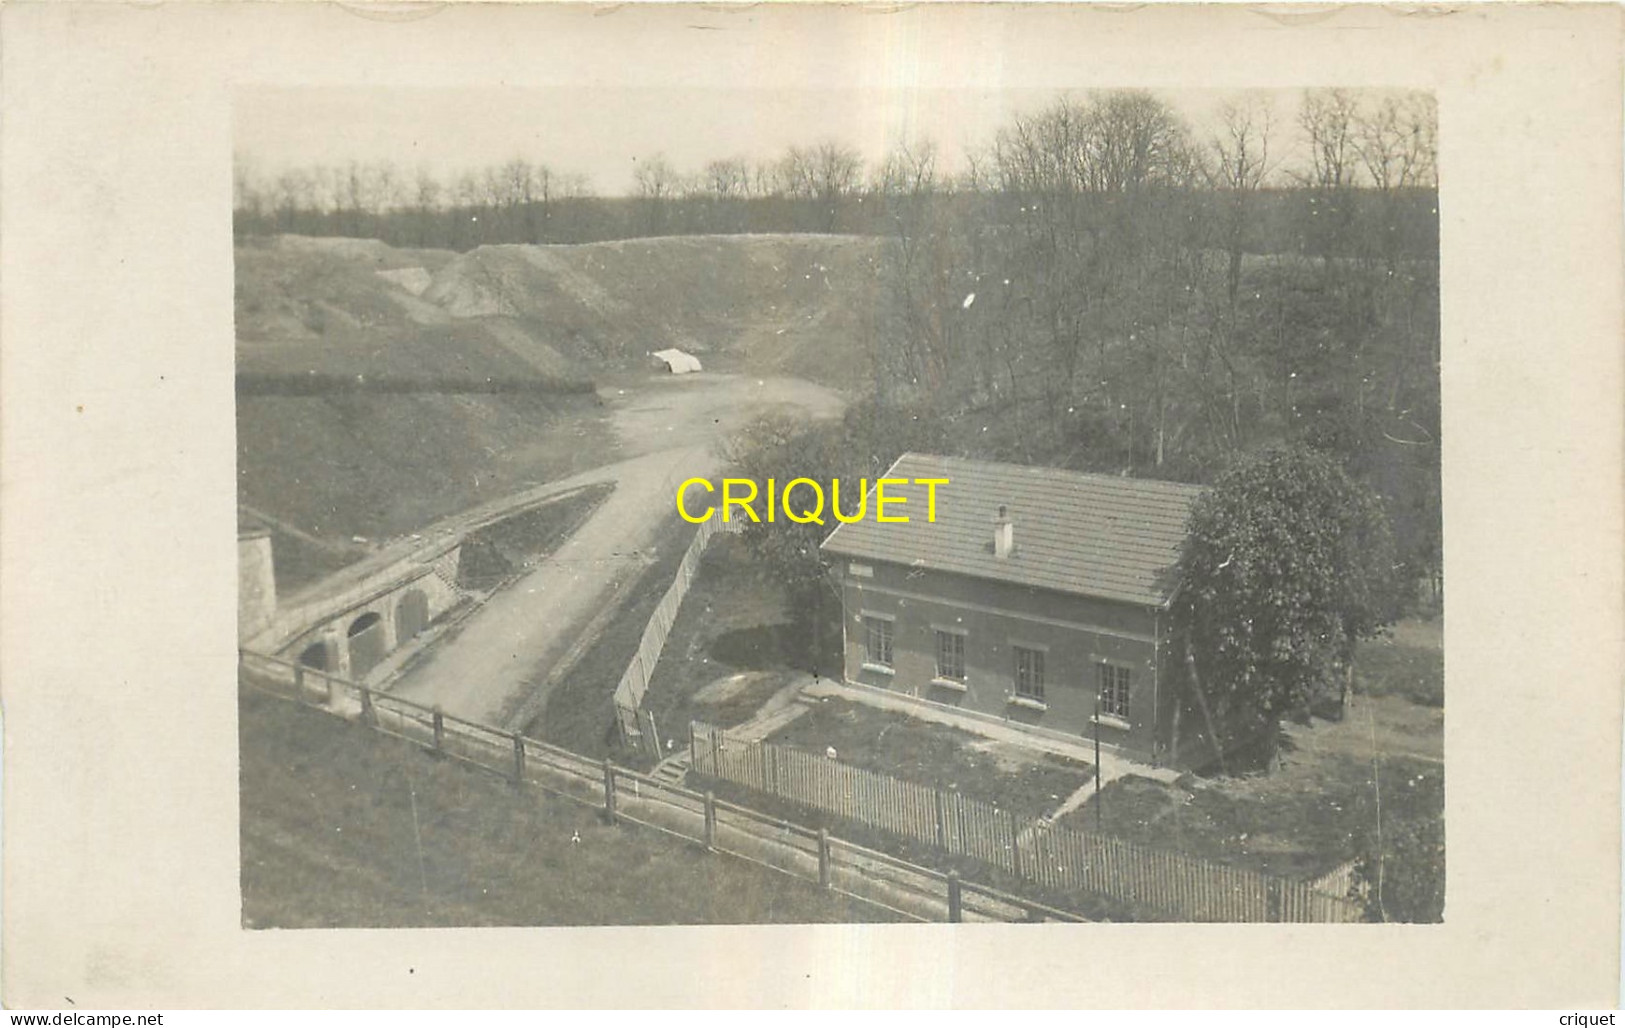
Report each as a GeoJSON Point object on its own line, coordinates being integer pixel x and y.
{"type": "Point", "coordinates": [315, 656]}
{"type": "Point", "coordinates": [411, 614]}
{"type": "Point", "coordinates": [367, 643]}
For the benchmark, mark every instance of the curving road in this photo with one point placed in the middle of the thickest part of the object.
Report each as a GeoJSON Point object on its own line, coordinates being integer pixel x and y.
{"type": "Point", "coordinates": [498, 663]}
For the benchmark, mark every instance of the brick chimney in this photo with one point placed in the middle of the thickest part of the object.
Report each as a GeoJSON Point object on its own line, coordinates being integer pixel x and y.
{"type": "Point", "coordinates": [1004, 533]}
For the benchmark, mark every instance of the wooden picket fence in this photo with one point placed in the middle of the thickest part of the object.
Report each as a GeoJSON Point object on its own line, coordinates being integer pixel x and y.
{"type": "Point", "coordinates": [880, 879]}
{"type": "Point", "coordinates": [1177, 886]}
{"type": "Point", "coordinates": [629, 692]}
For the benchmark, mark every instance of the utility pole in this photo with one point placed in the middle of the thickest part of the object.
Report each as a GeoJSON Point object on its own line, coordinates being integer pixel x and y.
{"type": "Point", "coordinates": [1099, 813]}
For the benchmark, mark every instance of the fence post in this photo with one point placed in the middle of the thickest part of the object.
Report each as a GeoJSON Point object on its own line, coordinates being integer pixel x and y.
{"type": "Point", "coordinates": [710, 821]}
{"type": "Point", "coordinates": [369, 716]}
{"type": "Point", "coordinates": [298, 679]}
{"type": "Point", "coordinates": [518, 759]}
{"type": "Point", "coordinates": [942, 824]}
{"type": "Point", "coordinates": [823, 857]}
{"type": "Point", "coordinates": [956, 910]}
{"type": "Point", "coordinates": [1272, 899]}
{"type": "Point", "coordinates": [439, 729]}
{"type": "Point", "coordinates": [654, 735]}
{"type": "Point", "coordinates": [609, 790]}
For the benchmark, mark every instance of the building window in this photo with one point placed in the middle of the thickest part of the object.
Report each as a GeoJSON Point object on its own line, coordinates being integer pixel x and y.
{"type": "Point", "coordinates": [1029, 674]}
{"type": "Point", "coordinates": [950, 656]}
{"type": "Point", "coordinates": [1114, 691]}
{"type": "Point", "coordinates": [877, 634]}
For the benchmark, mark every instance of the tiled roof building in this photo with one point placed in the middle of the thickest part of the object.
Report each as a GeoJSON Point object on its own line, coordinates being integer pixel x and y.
{"type": "Point", "coordinates": [1034, 594]}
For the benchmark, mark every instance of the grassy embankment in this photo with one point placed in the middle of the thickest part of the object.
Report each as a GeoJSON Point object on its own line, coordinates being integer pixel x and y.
{"type": "Point", "coordinates": [345, 828]}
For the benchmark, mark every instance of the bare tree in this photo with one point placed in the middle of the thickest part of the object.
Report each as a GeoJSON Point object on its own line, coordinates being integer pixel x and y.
{"type": "Point", "coordinates": [908, 170]}
{"type": "Point", "coordinates": [466, 190]}
{"type": "Point", "coordinates": [293, 193]}
{"type": "Point", "coordinates": [728, 178]}
{"type": "Point", "coordinates": [1328, 120]}
{"type": "Point", "coordinates": [979, 176]}
{"type": "Point", "coordinates": [826, 175]}
{"type": "Point", "coordinates": [1238, 165]}
{"type": "Point", "coordinates": [765, 179]}
{"type": "Point", "coordinates": [385, 189]}
{"type": "Point", "coordinates": [922, 274]}
{"type": "Point", "coordinates": [1396, 141]}
{"type": "Point", "coordinates": [657, 183]}
{"type": "Point", "coordinates": [426, 197]}
{"type": "Point", "coordinates": [720, 191]}
{"type": "Point", "coordinates": [1135, 140]}
{"type": "Point", "coordinates": [353, 195]}
{"type": "Point", "coordinates": [1240, 149]}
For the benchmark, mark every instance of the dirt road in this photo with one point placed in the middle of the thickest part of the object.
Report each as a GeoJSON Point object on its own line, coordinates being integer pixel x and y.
{"type": "Point", "coordinates": [671, 426]}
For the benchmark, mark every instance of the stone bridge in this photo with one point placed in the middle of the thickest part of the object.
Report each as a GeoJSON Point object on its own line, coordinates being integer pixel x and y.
{"type": "Point", "coordinates": [355, 620]}
{"type": "Point", "coordinates": [352, 619]}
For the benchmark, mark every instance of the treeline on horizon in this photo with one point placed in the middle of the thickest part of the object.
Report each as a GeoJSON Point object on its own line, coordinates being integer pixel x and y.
{"type": "Point", "coordinates": [1381, 177]}
{"type": "Point", "coordinates": [1280, 219]}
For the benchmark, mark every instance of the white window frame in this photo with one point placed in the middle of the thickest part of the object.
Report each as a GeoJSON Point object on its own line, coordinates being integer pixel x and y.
{"type": "Point", "coordinates": [944, 680]}
{"type": "Point", "coordinates": [1018, 697]}
{"type": "Point", "coordinates": [890, 623]}
{"type": "Point", "coordinates": [1109, 716]}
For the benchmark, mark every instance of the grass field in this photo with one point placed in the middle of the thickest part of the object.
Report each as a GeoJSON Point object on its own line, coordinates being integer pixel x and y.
{"type": "Point", "coordinates": [376, 465]}
{"type": "Point", "coordinates": [1017, 779]}
{"type": "Point", "coordinates": [1404, 666]}
{"type": "Point", "coordinates": [1300, 821]}
{"type": "Point", "coordinates": [345, 828]}
{"type": "Point", "coordinates": [496, 551]}
{"type": "Point", "coordinates": [1317, 808]}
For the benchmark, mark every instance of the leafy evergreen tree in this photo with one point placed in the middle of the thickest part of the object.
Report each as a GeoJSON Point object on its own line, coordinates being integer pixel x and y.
{"type": "Point", "coordinates": [1289, 564]}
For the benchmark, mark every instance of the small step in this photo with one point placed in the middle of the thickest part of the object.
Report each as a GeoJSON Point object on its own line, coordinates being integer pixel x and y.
{"type": "Point", "coordinates": [673, 769]}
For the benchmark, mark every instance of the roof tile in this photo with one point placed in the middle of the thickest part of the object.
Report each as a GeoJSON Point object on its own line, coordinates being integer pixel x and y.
{"type": "Point", "coordinates": [1092, 535]}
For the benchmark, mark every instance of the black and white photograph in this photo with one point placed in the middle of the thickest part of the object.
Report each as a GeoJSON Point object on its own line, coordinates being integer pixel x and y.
{"type": "Point", "coordinates": [760, 506]}
{"type": "Point", "coordinates": [662, 506]}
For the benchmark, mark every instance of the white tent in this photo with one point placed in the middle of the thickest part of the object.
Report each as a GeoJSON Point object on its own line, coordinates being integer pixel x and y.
{"type": "Point", "coordinates": [676, 361]}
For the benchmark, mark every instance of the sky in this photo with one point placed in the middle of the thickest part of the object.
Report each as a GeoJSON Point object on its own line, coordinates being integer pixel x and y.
{"type": "Point", "coordinates": [603, 132]}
